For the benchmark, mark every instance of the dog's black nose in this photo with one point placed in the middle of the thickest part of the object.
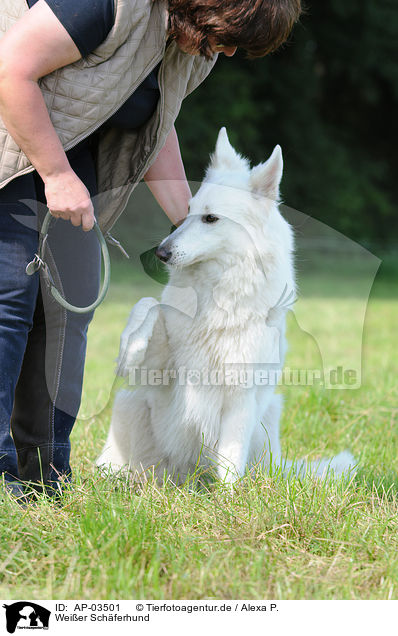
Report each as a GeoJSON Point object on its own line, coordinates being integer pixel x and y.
{"type": "Point", "coordinates": [163, 254]}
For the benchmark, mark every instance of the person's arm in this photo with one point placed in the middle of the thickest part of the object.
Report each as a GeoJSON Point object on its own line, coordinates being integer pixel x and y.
{"type": "Point", "coordinates": [167, 181]}
{"type": "Point", "coordinates": [34, 47]}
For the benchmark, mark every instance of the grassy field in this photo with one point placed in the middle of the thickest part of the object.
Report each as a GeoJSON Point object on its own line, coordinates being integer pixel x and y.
{"type": "Point", "coordinates": [269, 538]}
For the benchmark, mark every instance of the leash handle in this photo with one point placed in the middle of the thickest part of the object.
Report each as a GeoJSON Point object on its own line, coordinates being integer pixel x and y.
{"type": "Point", "coordinates": [39, 262]}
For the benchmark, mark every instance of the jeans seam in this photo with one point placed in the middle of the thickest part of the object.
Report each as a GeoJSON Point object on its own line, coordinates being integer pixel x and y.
{"type": "Point", "coordinates": [44, 445]}
{"type": "Point", "coordinates": [59, 358]}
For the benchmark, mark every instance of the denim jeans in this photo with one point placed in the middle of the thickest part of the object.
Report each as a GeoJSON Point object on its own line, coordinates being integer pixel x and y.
{"type": "Point", "coordinates": [42, 346]}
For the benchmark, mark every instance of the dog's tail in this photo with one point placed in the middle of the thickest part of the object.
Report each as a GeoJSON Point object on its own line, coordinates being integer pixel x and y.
{"type": "Point", "coordinates": [342, 464]}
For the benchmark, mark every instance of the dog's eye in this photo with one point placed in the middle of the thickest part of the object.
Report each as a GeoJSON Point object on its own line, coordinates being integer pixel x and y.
{"type": "Point", "coordinates": [209, 218]}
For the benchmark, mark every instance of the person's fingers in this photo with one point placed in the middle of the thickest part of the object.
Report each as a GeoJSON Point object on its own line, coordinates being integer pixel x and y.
{"type": "Point", "coordinates": [75, 220]}
{"type": "Point", "coordinates": [88, 220]}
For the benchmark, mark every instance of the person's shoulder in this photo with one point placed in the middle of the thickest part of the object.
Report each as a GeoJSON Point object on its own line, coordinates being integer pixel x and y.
{"type": "Point", "coordinates": [88, 22]}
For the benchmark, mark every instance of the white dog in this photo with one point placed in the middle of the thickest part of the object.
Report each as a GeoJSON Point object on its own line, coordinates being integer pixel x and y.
{"type": "Point", "coordinates": [207, 356]}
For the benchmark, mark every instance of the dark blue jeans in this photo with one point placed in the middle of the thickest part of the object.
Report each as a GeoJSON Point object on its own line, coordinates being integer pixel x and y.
{"type": "Point", "coordinates": [42, 346]}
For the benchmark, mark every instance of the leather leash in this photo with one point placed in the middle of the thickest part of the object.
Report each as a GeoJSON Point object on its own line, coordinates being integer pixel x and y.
{"type": "Point", "coordinates": [39, 263]}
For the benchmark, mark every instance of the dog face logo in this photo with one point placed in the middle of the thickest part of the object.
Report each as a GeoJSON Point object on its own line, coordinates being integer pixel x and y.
{"type": "Point", "coordinates": [26, 615]}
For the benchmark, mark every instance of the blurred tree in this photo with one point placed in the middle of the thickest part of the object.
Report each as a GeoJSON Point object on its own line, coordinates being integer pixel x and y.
{"type": "Point", "coordinates": [330, 98]}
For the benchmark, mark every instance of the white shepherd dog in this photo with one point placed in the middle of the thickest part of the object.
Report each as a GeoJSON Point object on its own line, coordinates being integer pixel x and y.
{"type": "Point", "coordinates": [220, 323]}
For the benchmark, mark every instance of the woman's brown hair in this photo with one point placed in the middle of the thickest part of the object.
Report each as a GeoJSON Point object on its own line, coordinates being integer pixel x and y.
{"type": "Point", "coordinates": [257, 26]}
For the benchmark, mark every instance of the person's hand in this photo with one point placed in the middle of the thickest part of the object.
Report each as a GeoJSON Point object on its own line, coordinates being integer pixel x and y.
{"type": "Point", "coordinates": [68, 198]}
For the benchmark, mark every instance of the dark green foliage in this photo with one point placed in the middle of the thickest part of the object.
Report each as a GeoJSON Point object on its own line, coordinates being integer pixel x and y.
{"type": "Point", "coordinates": [330, 98]}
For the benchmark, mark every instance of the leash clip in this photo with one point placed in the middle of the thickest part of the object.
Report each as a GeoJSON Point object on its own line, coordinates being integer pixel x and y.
{"type": "Point", "coordinates": [112, 241]}
{"type": "Point", "coordinates": [34, 265]}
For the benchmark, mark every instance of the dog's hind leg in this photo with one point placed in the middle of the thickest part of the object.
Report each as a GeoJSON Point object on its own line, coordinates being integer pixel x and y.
{"type": "Point", "coordinates": [265, 445]}
{"type": "Point", "coordinates": [116, 450]}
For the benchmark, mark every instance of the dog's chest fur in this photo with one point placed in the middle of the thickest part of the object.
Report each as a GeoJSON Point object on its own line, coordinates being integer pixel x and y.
{"type": "Point", "coordinates": [215, 329]}
{"type": "Point", "coordinates": [205, 341]}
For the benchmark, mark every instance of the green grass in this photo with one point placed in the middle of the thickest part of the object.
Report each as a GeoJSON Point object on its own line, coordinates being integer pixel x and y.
{"type": "Point", "coordinates": [269, 537]}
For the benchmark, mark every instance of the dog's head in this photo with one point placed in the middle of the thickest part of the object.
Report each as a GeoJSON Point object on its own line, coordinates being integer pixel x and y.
{"type": "Point", "coordinates": [234, 214]}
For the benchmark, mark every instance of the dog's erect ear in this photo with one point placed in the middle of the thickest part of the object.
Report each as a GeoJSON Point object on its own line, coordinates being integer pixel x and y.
{"type": "Point", "coordinates": [266, 177]}
{"type": "Point", "coordinates": [225, 157]}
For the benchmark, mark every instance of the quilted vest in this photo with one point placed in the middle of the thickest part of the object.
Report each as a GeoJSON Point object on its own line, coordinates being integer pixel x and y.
{"type": "Point", "coordinates": [80, 97]}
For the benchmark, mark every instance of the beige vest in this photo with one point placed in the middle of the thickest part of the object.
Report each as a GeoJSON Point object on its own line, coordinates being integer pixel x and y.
{"type": "Point", "coordinates": [80, 97]}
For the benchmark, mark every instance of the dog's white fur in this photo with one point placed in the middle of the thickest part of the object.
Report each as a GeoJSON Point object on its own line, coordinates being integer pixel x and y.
{"type": "Point", "coordinates": [241, 268]}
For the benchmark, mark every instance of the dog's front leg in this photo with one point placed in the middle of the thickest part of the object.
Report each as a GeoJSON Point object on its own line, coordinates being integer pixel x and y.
{"type": "Point", "coordinates": [238, 419]}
